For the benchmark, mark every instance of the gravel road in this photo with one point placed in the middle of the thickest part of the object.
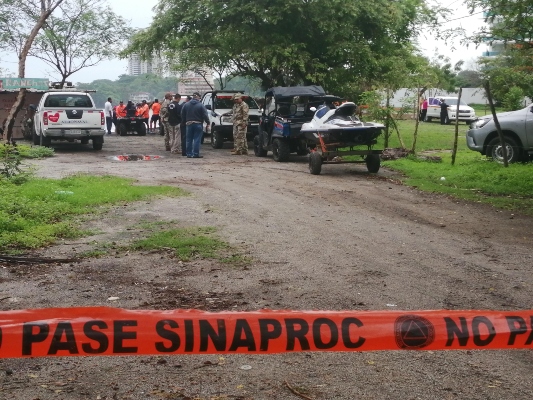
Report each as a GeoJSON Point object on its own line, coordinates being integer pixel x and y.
{"type": "Point", "coordinates": [343, 240]}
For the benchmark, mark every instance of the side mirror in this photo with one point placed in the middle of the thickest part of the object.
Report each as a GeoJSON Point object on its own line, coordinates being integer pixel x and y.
{"type": "Point", "coordinates": [208, 106]}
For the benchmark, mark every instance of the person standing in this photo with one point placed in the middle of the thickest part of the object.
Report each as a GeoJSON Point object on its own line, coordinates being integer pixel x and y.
{"type": "Point", "coordinates": [423, 110]}
{"type": "Point", "coordinates": [194, 114]}
{"type": "Point", "coordinates": [163, 113]}
{"type": "Point", "coordinates": [156, 107]}
{"type": "Point", "coordinates": [174, 121]}
{"type": "Point", "coordinates": [145, 113]}
{"type": "Point", "coordinates": [108, 110]}
{"type": "Point", "coordinates": [183, 130]}
{"type": "Point", "coordinates": [240, 125]}
{"type": "Point", "coordinates": [443, 112]}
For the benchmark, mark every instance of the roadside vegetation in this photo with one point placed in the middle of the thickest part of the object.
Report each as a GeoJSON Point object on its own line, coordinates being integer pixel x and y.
{"type": "Point", "coordinates": [38, 211]}
{"type": "Point", "coordinates": [473, 177]}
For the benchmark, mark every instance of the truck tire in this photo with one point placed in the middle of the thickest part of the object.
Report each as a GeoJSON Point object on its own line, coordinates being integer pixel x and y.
{"type": "Point", "coordinates": [217, 140]}
{"type": "Point", "coordinates": [98, 142]}
{"type": "Point", "coordinates": [47, 142]}
{"type": "Point", "coordinates": [373, 162]}
{"type": "Point", "coordinates": [280, 150]}
{"type": "Point", "coordinates": [259, 151]}
{"type": "Point", "coordinates": [315, 163]}
{"type": "Point", "coordinates": [495, 150]}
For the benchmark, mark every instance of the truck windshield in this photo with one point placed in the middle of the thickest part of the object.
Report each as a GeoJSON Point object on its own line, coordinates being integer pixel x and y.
{"type": "Point", "coordinates": [227, 102]}
{"type": "Point", "coordinates": [68, 100]}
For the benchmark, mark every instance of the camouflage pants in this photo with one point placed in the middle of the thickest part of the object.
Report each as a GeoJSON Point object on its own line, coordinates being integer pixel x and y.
{"type": "Point", "coordinates": [175, 139]}
{"type": "Point", "coordinates": [167, 128]}
{"type": "Point", "coordinates": [239, 138]}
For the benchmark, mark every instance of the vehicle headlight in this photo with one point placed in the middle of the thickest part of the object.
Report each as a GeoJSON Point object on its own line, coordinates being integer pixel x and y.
{"type": "Point", "coordinates": [479, 123]}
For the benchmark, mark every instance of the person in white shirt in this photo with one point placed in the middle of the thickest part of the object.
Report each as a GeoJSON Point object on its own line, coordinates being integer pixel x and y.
{"type": "Point", "coordinates": [108, 110]}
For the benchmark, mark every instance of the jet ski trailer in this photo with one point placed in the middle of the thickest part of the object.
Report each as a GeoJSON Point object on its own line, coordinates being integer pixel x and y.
{"type": "Point", "coordinates": [333, 134]}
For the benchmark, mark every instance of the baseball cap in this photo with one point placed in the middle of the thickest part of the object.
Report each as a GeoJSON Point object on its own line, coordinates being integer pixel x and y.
{"type": "Point", "coordinates": [237, 96]}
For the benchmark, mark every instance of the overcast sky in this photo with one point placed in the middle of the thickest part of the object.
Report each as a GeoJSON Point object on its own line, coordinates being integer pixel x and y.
{"type": "Point", "coordinates": [139, 13]}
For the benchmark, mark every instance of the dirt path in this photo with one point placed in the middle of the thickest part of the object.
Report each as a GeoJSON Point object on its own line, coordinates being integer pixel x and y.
{"type": "Point", "coordinates": [343, 240]}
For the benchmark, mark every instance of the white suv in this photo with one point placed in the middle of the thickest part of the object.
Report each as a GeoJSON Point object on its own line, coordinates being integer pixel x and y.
{"type": "Point", "coordinates": [219, 106]}
{"type": "Point", "coordinates": [466, 113]}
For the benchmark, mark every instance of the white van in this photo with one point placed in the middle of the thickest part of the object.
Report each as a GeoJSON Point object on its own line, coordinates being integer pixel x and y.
{"type": "Point", "coordinates": [466, 113]}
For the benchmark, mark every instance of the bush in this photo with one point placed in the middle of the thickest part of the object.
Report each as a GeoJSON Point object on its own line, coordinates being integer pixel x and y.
{"type": "Point", "coordinates": [513, 99]}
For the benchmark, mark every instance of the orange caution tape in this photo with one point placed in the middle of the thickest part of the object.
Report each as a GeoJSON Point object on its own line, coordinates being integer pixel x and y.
{"type": "Point", "coordinates": [110, 331]}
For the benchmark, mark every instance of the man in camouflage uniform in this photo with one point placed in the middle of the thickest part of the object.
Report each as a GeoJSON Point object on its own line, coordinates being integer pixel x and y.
{"type": "Point", "coordinates": [240, 124]}
{"type": "Point", "coordinates": [163, 114]}
{"type": "Point", "coordinates": [27, 122]}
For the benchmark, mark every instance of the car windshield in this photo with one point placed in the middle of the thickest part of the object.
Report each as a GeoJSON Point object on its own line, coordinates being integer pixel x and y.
{"type": "Point", "coordinates": [226, 101]}
{"type": "Point", "coordinates": [68, 100]}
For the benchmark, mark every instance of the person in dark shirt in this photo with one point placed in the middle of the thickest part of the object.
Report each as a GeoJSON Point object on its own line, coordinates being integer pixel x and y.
{"type": "Point", "coordinates": [194, 114]}
{"type": "Point", "coordinates": [174, 121]}
{"type": "Point", "coordinates": [443, 112]}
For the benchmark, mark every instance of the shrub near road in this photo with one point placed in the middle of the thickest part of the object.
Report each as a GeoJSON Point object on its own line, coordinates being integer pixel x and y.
{"type": "Point", "coordinates": [473, 177]}
{"type": "Point", "coordinates": [39, 211]}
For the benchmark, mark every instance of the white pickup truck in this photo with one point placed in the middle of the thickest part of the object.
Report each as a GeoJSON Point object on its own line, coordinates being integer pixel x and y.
{"type": "Point", "coordinates": [70, 116]}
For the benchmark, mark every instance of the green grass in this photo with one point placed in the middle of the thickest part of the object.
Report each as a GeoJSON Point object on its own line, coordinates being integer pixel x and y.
{"type": "Point", "coordinates": [39, 211]}
{"type": "Point", "coordinates": [473, 177]}
{"type": "Point", "coordinates": [186, 242]}
{"type": "Point", "coordinates": [26, 151]}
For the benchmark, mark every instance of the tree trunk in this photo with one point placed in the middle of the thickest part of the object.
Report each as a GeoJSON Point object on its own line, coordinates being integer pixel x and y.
{"type": "Point", "coordinates": [417, 119]}
{"type": "Point", "coordinates": [19, 102]}
{"type": "Point", "coordinates": [387, 121]}
{"type": "Point", "coordinates": [454, 151]}
{"type": "Point", "coordinates": [486, 85]}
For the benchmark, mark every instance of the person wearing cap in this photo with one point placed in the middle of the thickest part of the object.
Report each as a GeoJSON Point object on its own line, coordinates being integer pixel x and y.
{"type": "Point", "coordinates": [194, 114]}
{"type": "Point", "coordinates": [163, 114]}
{"type": "Point", "coordinates": [240, 125]}
{"type": "Point", "coordinates": [121, 110]}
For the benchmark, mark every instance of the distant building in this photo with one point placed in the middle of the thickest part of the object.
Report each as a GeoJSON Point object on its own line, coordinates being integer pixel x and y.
{"type": "Point", "coordinates": [191, 82]}
{"type": "Point", "coordinates": [137, 66]}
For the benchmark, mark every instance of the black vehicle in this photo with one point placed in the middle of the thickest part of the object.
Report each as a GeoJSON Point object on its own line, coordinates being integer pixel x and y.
{"type": "Point", "coordinates": [286, 110]}
{"type": "Point", "coordinates": [131, 124]}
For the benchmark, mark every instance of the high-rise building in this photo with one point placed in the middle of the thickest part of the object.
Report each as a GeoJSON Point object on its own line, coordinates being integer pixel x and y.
{"type": "Point", "coordinates": [201, 81]}
{"type": "Point", "coordinates": [137, 66]}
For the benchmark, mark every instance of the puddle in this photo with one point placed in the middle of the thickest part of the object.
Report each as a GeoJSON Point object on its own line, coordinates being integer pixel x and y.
{"type": "Point", "coordinates": [135, 157]}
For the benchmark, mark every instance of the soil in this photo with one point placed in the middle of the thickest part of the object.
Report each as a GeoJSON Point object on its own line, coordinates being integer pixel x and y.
{"type": "Point", "coordinates": [342, 240]}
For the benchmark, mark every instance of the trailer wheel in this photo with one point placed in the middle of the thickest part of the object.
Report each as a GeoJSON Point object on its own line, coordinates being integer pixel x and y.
{"type": "Point", "coordinates": [373, 162]}
{"type": "Point", "coordinates": [280, 150]}
{"type": "Point", "coordinates": [141, 129]}
{"type": "Point", "coordinates": [258, 147]}
{"type": "Point", "coordinates": [315, 163]}
{"type": "Point", "coordinates": [217, 140]}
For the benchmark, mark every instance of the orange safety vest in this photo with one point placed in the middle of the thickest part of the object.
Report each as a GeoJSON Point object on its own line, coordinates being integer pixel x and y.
{"type": "Point", "coordinates": [145, 111]}
{"type": "Point", "coordinates": [156, 107]}
{"type": "Point", "coordinates": [121, 111]}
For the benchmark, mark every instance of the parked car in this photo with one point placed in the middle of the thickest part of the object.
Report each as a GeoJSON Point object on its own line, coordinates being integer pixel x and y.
{"type": "Point", "coordinates": [517, 128]}
{"type": "Point", "coordinates": [219, 104]}
{"type": "Point", "coordinates": [68, 115]}
{"type": "Point", "coordinates": [466, 113]}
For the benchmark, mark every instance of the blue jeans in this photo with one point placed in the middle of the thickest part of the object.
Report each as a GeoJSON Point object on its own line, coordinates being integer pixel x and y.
{"type": "Point", "coordinates": [194, 137]}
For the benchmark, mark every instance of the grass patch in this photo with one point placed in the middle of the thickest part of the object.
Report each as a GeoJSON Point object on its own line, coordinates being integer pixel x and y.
{"type": "Point", "coordinates": [39, 211]}
{"type": "Point", "coordinates": [186, 242]}
{"type": "Point", "coordinates": [474, 177]}
{"type": "Point", "coordinates": [26, 151]}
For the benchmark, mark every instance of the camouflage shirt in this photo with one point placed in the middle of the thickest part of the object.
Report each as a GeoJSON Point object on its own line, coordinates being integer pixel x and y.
{"type": "Point", "coordinates": [240, 113]}
{"type": "Point", "coordinates": [163, 113]}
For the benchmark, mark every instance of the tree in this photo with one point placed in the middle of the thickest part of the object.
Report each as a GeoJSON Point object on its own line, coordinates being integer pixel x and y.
{"type": "Point", "coordinates": [509, 21]}
{"type": "Point", "coordinates": [80, 35]}
{"type": "Point", "coordinates": [283, 42]}
{"type": "Point", "coordinates": [20, 23]}
{"type": "Point", "coordinates": [469, 79]}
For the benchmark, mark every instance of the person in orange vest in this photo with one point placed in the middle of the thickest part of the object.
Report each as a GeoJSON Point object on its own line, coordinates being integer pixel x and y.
{"type": "Point", "coordinates": [145, 112]}
{"type": "Point", "coordinates": [156, 108]}
{"type": "Point", "coordinates": [121, 110]}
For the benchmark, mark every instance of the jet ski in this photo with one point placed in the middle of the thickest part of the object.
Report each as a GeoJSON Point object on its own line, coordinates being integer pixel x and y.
{"type": "Point", "coordinates": [340, 126]}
